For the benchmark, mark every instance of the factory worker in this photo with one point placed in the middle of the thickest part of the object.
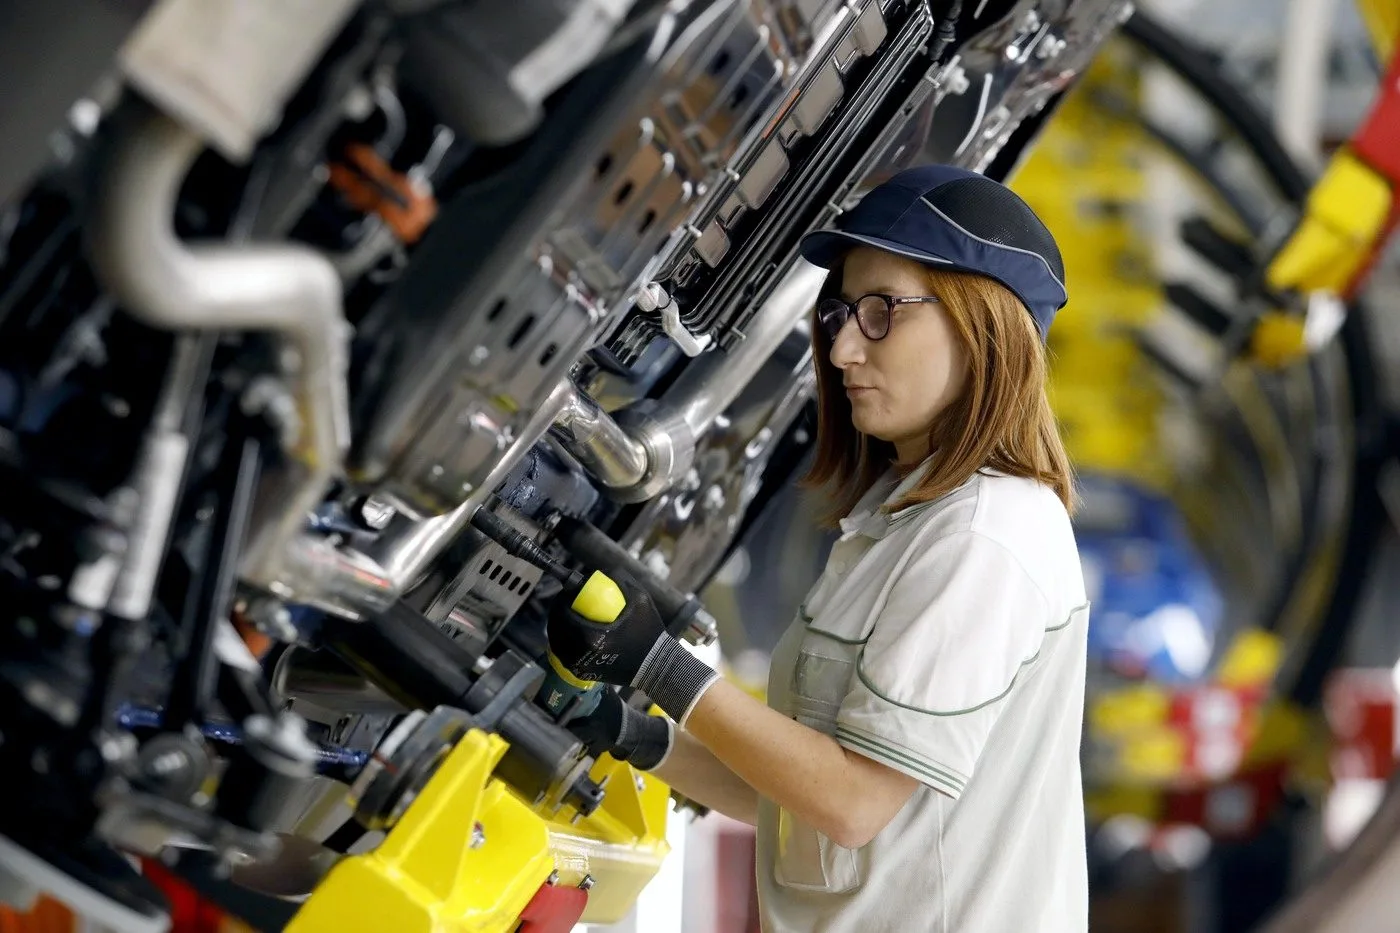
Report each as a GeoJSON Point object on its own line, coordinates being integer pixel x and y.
{"type": "Point", "coordinates": [916, 765]}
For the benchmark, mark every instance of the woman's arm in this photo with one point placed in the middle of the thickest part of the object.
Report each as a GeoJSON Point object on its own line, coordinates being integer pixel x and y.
{"type": "Point", "coordinates": [847, 797]}
{"type": "Point", "coordinates": [694, 770]}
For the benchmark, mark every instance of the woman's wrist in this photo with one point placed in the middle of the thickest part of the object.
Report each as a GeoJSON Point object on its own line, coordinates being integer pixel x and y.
{"type": "Point", "coordinates": [674, 678]}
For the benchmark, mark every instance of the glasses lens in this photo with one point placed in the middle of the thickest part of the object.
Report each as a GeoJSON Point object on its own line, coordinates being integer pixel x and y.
{"type": "Point", "coordinates": [873, 314]}
{"type": "Point", "coordinates": [832, 314]}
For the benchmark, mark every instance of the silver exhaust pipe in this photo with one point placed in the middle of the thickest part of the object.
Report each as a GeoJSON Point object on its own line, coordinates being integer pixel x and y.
{"type": "Point", "coordinates": [599, 444]}
{"type": "Point", "coordinates": [287, 289]}
{"type": "Point", "coordinates": [408, 546]}
{"type": "Point", "coordinates": [649, 446]}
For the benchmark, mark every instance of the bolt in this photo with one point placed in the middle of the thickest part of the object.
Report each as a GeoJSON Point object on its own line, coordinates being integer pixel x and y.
{"type": "Point", "coordinates": [957, 81]}
{"type": "Point", "coordinates": [478, 355]}
{"type": "Point", "coordinates": [376, 513]}
{"type": "Point", "coordinates": [288, 359]}
{"type": "Point", "coordinates": [641, 783]}
{"type": "Point", "coordinates": [1049, 47]}
{"type": "Point", "coordinates": [169, 762]}
{"type": "Point", "coordinates": [713, 500]}
{"type": "Point", "coordinates": [269, 398]}
{"type": "Point", "coordinates": [553, 877]}
{"type": "Point", "coordinates": [272, 618]}
{"type": "Point", "coordinates": [478, 836]}
{"type": "Point", "coordinates": [114, 748]}
{"type": "Point", "coordinates": [587, 883]}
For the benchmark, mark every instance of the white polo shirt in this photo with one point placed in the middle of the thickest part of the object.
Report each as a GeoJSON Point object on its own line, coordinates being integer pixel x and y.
{"type": "Point", "coordinates": [946, 641]}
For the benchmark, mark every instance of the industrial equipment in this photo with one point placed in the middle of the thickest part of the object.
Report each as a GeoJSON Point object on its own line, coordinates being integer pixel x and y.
{"type": "Point", "coordinates": [333, 334]}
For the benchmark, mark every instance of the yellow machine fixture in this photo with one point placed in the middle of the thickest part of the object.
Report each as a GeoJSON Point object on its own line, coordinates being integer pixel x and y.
{"type": "Point", "coordinates": [468, 855]}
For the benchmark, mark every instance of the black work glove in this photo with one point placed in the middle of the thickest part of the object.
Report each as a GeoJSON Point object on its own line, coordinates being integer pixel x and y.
{"type": "Point", "coordinates": [625, 732]}
{"type": "Point", "coordinates": [635, 650]}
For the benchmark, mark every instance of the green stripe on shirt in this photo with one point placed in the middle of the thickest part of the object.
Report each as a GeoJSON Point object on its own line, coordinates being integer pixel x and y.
{"type": "Point", "coordinates": [863, 742]}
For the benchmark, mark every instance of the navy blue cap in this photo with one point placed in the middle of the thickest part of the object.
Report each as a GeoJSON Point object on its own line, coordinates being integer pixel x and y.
{"type": "Point", "coordinates": [954, 219]}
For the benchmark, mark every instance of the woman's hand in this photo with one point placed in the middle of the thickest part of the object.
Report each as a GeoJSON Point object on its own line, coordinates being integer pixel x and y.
{"type": "Point", "coordinates": [634, 650]}
{"type": "Point", "coordinates": [626, 733]}
{"type": "Point", "coordinates": [844, 795]}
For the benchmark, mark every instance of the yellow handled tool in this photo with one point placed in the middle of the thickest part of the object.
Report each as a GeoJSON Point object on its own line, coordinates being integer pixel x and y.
{"type": "Point", "coordinates": [599, 599]}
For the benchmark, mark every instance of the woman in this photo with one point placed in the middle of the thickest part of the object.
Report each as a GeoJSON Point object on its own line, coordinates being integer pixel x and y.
{"type": "Point", "coordinates": [916, 766]}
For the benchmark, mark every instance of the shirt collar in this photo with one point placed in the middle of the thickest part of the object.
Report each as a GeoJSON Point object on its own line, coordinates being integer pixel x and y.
{"type": "Point", "coordinates": [868, 518]}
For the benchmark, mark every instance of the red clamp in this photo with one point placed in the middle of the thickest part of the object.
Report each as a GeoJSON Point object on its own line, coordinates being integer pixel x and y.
{"type": "Point", "coordinates": [553, 909]}
{"type": "Point", "coordinates": [1377, 143]}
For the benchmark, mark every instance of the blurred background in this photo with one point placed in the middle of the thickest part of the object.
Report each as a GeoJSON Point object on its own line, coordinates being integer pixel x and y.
{"type": "Point", "coordinates": [1235, 524]}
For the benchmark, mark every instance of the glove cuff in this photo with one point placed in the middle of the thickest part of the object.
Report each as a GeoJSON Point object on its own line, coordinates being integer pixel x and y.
{"type": "Point", "coordinates": [674, 678]}
{"type": "Point", "coordinates": [643, 741]}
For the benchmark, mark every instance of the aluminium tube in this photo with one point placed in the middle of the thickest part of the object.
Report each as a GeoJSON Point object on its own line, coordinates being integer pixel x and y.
{"type": "Point", "coordinates": [710, 385]}
{"type": "Point", "coordinates": [408, 546]}
{"type": "Point", "coordinates": [651, 445]}
{"type": "Point", "coordinates": [597, 441]}
{"type": "Point", "coordinates": [286, 289]}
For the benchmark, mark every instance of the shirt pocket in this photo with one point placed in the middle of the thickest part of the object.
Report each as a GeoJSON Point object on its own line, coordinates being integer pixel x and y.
{"type": "Point", "coordinates": [805, 858]}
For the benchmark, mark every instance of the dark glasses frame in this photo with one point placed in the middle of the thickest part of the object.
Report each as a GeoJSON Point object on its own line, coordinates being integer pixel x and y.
{"type": "Point", "coordinates": [872, 319]}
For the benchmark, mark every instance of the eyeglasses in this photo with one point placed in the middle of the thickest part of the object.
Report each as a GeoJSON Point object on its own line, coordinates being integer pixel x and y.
{"type": "Point", "coordinates": [872, 313]}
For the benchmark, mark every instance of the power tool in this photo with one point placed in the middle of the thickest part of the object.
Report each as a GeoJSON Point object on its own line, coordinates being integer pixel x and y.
{"type": "Point", "coordinates": [599, 599]}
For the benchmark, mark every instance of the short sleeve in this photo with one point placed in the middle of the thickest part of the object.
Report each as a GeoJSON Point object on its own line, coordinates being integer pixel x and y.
{"type": "Point", "coordinates": [961, 621]}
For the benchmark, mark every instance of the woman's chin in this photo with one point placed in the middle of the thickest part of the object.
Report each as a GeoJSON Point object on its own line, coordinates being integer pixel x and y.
{"type": "Point", "coordinates": [871, 427]}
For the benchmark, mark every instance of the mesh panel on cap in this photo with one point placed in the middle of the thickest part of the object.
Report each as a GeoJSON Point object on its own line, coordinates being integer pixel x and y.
{"type": "Point", "coordinates": [992, 212]}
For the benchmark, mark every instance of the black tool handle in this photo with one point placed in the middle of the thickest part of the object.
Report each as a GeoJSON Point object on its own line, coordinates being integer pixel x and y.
{"type": "Point", "coordinates": [597, 550]}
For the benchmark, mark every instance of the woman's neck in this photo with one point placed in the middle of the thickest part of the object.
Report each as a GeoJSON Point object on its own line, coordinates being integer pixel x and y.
{"type": "Point", "coordinates": [909, 454]}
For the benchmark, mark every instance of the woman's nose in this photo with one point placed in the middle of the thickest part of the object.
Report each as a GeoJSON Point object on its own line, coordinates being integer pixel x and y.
{"type": "Point", "coordinates": [848, 349]}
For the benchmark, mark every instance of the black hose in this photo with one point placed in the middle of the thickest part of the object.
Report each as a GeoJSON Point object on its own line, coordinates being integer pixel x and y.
{"type": "Point", "coordinates": [196, 680]}
{"type": "Point", "coordinates": [1195, 67]}
{"type": "Point", "coordinates": [518, 544]}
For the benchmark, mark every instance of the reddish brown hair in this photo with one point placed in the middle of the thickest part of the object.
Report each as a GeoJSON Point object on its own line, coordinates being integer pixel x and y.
{"type": "Point", "coordinates": [1002, 420]}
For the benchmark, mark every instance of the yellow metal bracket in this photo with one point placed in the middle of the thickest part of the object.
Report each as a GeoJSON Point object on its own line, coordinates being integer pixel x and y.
{"type": "Point", "coordinates": [466, 857]}
{"type": "Point", "coordinates": [1382, 20]}
{"type": "Point", "coordinates": [1346, 212]}
{"type": "Point", "coordinates": [620, 846]}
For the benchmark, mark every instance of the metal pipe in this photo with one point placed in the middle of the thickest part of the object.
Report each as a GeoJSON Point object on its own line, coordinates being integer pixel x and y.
{"type": "Point", "coordinates": [287, 289]}
{"type": "Point", "coordinates": [651, 445]}
{"type": "Point", "coordinates": [323, 679]}
{"type": "Point", "coordinates": [709, 386]}
{"type": "Point", "coordinates": [157, 479]}
{"type": "Point", "coordinates": [408, 546]}
{"type": "Point", "coordinates": [599, 443]}
{"type": "Point", "coordinates": [347, 583]}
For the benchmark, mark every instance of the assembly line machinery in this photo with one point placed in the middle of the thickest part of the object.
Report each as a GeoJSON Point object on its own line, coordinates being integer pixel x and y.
{"type": "Point", "coordinates": [335, 334]}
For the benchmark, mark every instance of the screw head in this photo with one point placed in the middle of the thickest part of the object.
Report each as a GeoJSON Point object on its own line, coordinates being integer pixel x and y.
{"type": "Point", "coordinates": [478, 836]}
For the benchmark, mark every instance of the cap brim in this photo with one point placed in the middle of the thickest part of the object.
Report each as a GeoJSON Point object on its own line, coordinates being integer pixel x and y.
{"type": "Point", "coordinates": [825, 248]}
